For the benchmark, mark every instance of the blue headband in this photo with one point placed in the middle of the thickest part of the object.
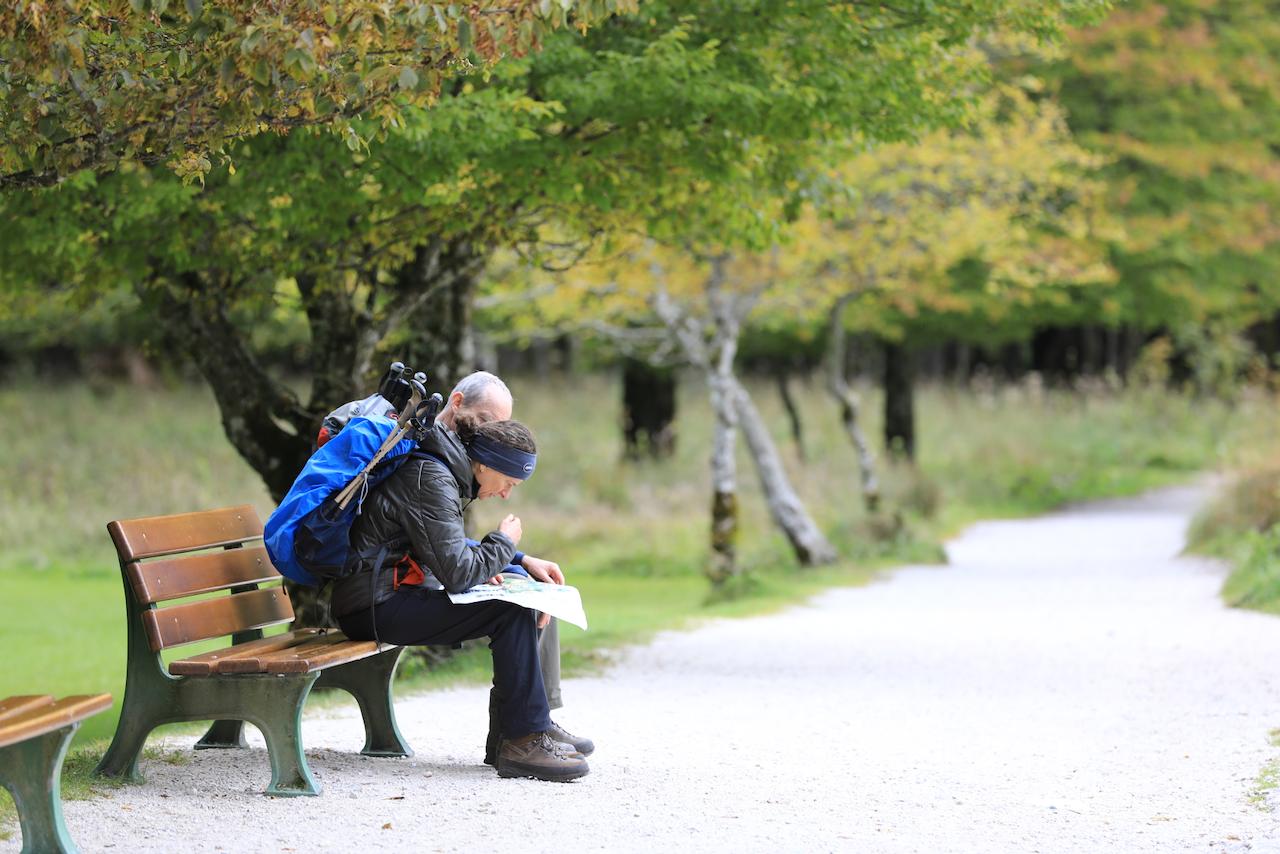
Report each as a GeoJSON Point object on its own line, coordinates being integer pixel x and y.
{"type": "Point", "coordinates": [508, 461]}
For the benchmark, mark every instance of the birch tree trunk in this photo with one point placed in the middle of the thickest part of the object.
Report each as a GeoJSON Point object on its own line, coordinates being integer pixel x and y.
{"type": "Point", "coordinates": [724, 480]}
{"type": "Point", "coordinates": [851, 406]}
{"type": "Point", "coordinates": [715, 358]}
{"type": "Point", "coordinates": [733, 408]}
{"type": "Point", "coordinates": [807, 540]}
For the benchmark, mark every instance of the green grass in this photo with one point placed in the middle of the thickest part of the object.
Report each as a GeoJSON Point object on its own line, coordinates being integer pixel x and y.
{"type": "Point", "coordinates": [1268, 777]}
{"type": "Point", "coordinates": [1242, 525]}
{"type": "Point", "coordinates": [631, 536]}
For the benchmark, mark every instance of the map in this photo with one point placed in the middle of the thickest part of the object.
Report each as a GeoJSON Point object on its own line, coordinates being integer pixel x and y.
{"type": "Point", "coordinates": [559, 600]}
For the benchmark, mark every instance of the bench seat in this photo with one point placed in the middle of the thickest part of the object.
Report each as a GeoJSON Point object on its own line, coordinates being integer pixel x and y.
{"type": "Point", "coordinates": [301, 651]}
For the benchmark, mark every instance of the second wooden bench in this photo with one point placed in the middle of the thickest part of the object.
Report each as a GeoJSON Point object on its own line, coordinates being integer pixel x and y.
{"type": "Point", "coordinates": [35, 731]}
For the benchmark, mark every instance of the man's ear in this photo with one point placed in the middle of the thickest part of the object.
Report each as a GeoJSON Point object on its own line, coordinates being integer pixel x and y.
{"type": "Point", "coordinates": [455, 401]}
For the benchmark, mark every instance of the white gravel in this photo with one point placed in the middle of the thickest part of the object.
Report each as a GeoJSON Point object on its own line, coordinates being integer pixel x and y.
{"type": "Point", "coordinates": [1067, 683]}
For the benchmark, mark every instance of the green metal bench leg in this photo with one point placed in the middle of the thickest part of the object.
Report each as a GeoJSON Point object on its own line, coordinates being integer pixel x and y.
{"type": "Point", "coordinates": [279, 717]}
{"type": "Point", "coordinates": [271, 703]}
{"type": "Point", "coordinates": [32, 772]}
{"type": "Point", "coordinates": [136, 722]}
{"type": "Point", "coordinates": [369, 681]}
{"type": "Point", "coordinates": [227, 735]}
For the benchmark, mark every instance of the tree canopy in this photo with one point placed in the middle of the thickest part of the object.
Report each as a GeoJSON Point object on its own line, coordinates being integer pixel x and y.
{"type": "Point", "coordinates": [681, 115]}
{"type": "Point", "coordinates": [1183, 97]}
{"type": "Point", "coordinates": [87, 85]}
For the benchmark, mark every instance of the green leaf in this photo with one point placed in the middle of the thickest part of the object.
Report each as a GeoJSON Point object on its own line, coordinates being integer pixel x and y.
{"type": "Point", "coordinates": [227, 71]}
{"type": "Point", "coordinates": [408, 78]}
{"type": "Point", "coordinates": [48, 126]}
{"type": "Point", "coordinates": [464, 35]}
{"type": "Point", "coordinates": [194, 9]}
{"type": "Point", "coordinates": [252, 38]}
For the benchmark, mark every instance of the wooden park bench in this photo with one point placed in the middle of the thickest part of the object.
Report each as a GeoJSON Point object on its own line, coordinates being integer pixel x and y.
{"type": "Point", "coordinates": [262, 680]}
{"type": "Point", "coordinates": [34, 734]}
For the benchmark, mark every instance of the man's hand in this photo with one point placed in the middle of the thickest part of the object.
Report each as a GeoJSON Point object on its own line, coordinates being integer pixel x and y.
{"type": "Point", "coordinates": [546, 571]}
{"type": "Point", "coordinates": [543, 570]}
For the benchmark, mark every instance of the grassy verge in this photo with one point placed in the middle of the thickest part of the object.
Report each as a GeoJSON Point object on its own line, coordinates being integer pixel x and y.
{"type": "Point", "coordinates": [1268, 778]}
{"type": "Point", "coordinates": [1243, 526]}
{"type": "Point", "coordinates": [630, 535]}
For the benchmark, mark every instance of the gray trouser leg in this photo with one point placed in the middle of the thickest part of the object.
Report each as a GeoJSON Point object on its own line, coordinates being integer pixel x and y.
{"type": "Point", "coordinates": [549, 660]}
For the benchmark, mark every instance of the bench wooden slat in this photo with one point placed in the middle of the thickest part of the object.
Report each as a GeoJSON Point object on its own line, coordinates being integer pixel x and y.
{"type": "Point", "coordinates": [230, 660]}
{"type": "Point", "coordinates": [11, 707]}
{"type": "Point", "coordinates": [331, 656]}
{"type": "Point", "coordinates": [256, 661]}
{"type": "Point", "coordinates": [190, 622]}
{"type": "Point", "coordinates": [157, 536]}
{"type": "Point", "coordinates": [36, 720]}
{"type": "Point", "coordinates": [175, 577]}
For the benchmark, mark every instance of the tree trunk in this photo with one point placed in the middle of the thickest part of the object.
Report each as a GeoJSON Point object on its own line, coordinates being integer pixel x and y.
{"type": "Point", "coordinates": [851, 406]}
{"type": "Point", "coordinates": [648, 409]}
{"type": "Point", "coordinates": [962, 364]}
{"type": "Point", "coordinates": [899, 403]}
{"type": "Point", "coordinates": [793, 414]}
{"type": "Point", "coordinates": [807, 540]}
{"type": "Point", "coordinates": [441, 343]}
{"type": "Point", "coordinates": [262, 418]}
{"type": "Point", "coordinates": [331, 317]}
{"type": "Point", "coordinates": [724, 481]}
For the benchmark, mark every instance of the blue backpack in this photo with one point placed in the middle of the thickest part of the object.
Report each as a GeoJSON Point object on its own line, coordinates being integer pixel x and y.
{"type": "Point", "coordinates": [307, 537]}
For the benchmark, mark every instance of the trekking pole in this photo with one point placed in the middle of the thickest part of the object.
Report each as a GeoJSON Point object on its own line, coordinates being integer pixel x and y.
{"type": "Point", "coordinates": [405, 423]}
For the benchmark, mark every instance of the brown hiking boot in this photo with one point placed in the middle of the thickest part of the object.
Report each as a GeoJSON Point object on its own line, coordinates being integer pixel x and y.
{"type": "Point", "coordinates": [581, 744]}
{"type": "Point", "coordinates": [538, 756]}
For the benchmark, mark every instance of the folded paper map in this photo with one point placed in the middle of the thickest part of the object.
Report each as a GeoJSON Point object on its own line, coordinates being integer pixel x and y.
{"type": "Point", "coordinates": [559, 600]}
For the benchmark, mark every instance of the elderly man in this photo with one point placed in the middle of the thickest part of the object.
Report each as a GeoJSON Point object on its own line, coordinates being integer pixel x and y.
{"type": "Point", "coordinates": [488, 397]}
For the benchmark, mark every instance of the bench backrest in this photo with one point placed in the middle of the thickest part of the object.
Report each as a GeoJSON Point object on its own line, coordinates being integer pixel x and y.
{"type": "Point", "coordinates": [174, 557]}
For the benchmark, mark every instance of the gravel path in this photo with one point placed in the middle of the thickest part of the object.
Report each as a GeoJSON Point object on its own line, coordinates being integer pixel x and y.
{"type": "Point", "coordinates": [1066, 684]}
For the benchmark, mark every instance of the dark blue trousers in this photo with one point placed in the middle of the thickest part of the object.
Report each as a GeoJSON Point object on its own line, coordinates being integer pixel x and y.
{"type": "Point", "coordinates": [418, 617]}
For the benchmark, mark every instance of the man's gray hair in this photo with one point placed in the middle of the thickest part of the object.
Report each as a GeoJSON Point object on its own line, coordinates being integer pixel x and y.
{"type": "Point", "coordinates": [474, 388]}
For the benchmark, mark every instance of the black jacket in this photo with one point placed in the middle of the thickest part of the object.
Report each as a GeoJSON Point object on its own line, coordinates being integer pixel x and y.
{"type": "Point", "coordinates": [422, 501]}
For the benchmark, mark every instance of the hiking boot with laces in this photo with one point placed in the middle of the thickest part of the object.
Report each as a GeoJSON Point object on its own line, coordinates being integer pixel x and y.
{"type": "Point", "coordinates": [581, 744]}
{"type": "Point", "coordinates": [540, 757]}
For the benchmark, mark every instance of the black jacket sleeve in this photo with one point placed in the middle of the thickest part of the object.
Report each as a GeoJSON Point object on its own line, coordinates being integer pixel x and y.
{"type": "Point", "coordinates": [432, 520]}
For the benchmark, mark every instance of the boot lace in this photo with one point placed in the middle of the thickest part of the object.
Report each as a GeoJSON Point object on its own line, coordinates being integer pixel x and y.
{"type": "Point", "coordinates": [547, 743]}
